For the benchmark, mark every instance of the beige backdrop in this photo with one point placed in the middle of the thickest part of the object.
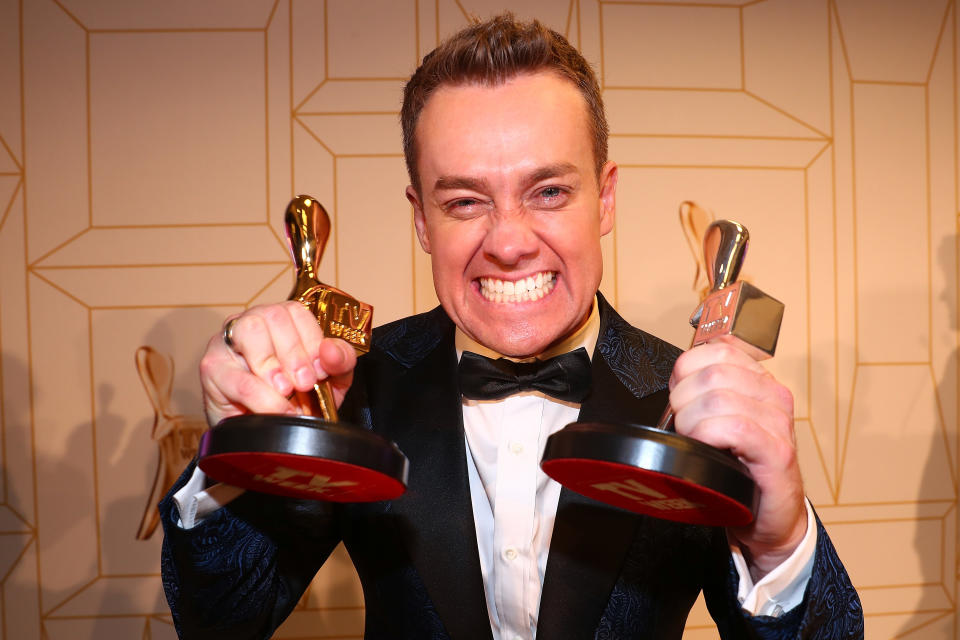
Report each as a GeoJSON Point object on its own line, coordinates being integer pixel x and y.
{"type": "Point", "coordinates": [148, 148]}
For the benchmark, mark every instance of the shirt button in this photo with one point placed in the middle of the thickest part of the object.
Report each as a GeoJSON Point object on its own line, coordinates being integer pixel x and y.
{"type": "Point", "coordinates": [510, 553]}
{"type": "Point", "coordinates": [516, 448]}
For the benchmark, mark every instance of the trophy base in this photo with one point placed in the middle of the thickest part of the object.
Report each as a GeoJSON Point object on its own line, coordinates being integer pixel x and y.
{"type": "Point", "coordinates": [303, 457]}
{"type": "Point", "coordinates": [653, 472]}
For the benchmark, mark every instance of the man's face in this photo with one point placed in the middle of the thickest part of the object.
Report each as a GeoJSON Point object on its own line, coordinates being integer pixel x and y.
{"type": "Point", "coordinates": [511, 211]}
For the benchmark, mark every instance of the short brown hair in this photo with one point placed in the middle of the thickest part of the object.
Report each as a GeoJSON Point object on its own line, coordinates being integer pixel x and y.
{"type": "Point", "coordinates": [490, 53]}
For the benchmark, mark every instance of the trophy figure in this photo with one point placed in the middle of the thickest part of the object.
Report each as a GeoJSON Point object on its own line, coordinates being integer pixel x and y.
{"type": "Point", "coordinates": [310, 455]}
{"type": "Point", "coordinates": [654, 470]}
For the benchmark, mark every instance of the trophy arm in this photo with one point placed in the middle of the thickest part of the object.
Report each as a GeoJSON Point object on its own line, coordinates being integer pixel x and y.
{"type": "Point", "coordinates": [724, 248]}
{"type": "Point", "coordinates": [307, 226]}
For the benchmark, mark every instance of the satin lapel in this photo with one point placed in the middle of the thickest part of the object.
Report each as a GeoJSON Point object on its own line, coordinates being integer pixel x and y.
{"type": "Point", "coordinates": [436, 510]}
{"type": "Point", "coordinates": [591, 540]}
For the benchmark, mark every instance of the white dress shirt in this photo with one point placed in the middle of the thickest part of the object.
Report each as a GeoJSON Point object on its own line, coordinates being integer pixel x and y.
{"type": "Point", "coordinates": [515, 503]}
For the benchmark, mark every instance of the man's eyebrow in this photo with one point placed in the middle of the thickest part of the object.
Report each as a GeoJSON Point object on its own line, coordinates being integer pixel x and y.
{"type": "Point", "coordinates": [551, 171]}
{"type": "Point", "coordinates": [479, 184]}
{"type": "Point", "coordinates": [460, 182]}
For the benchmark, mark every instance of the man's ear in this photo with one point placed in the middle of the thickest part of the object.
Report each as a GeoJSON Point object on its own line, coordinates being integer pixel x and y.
{"type": "Point", "coordinates": [419, 220]}
{"type": "Point", "coordinates": [608, 196]}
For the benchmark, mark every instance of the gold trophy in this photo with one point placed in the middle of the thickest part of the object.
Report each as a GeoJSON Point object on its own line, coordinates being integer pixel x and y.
{"type": "Point", "coordinates": [654, 470]}
{"type": "Point", "coordinates": [310, 455]}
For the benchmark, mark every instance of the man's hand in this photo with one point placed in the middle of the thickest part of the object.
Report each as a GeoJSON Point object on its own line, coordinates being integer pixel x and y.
{"type": "Point", "coordinates": [277, 349]}
{"type": "Point", "coordinates": [721, 396]}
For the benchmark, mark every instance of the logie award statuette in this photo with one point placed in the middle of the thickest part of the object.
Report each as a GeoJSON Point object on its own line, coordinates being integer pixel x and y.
{"type": "Point", "coordinates": [654, 470]}
{"type": "Point", "coordinates": [310, 455]}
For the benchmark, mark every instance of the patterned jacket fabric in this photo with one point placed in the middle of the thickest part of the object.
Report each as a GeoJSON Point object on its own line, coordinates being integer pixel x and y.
{"type": "Point", "coordinates": [610, 574]}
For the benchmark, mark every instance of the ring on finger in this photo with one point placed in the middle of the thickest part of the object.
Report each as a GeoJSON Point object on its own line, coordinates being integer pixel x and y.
{"type": "Point", "coordinates": [228, 333]}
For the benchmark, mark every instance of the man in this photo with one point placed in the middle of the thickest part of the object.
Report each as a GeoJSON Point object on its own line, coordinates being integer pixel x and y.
{"type": "Point", "coordinates": [505, 141]}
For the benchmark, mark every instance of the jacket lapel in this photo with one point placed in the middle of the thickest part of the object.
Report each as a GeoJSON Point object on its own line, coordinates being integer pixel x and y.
{"type": "Point", "coordinates": [439, 531]}
{"type": "Point", "coordinates": [591, 540]}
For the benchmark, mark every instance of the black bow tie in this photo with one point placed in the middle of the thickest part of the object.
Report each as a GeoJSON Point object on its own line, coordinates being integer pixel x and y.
{"type": "Point", "coordinates": [565, 377]}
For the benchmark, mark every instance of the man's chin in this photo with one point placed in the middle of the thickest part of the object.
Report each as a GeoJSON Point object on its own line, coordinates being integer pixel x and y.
{"type": "Point", "coordinates": [513, 345]}
{"type": "Point", "coordinates": [514, 331]}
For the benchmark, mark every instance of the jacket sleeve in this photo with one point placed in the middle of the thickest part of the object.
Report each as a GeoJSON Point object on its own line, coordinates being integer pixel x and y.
{"type": "Point", "coordinates": [830, 609]}
{"type": "Point", "coordinates": [240, 572]}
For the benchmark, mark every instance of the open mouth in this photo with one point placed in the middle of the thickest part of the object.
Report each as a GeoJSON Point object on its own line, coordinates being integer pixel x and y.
{"type": "Point", "coordinates": [511, 291]}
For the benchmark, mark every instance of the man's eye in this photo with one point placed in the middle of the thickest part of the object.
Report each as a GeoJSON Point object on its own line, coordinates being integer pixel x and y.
{"type": "Point", "coordinates": [463, 207]}
{"type": "Point", "coordinates": [552, 196]}
{"type": "Point", "coordinates": [551, 192]}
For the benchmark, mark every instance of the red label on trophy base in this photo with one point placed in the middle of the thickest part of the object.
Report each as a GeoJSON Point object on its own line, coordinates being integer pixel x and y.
{"type": "Point", "coordinates": [647, 492]}
{"type": "Point", "coordinates": [651, 471]}
{"type": "Point", "coordinates": [297, 476]}
{"type": "Point", "coordinates": [303, 457]}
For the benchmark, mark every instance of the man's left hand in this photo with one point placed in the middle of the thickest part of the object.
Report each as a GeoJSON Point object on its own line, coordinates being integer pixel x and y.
{"type": "Point", "coordinates": [723, 397]}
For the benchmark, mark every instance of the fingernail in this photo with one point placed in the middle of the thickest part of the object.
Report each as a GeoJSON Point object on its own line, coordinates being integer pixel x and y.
{"type": "Point", "coordinates": [318, 367]}
{"type": "Point", "coordinates": [281, 383]}
{"type": "Point", "coordinates": [305, 377]}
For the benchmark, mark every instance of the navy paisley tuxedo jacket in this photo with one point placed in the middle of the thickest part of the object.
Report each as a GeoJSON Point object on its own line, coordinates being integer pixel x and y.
{"type": "Point", "coordinates": [610, 574]}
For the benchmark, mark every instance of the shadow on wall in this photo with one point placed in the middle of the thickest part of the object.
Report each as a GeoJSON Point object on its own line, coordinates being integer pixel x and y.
{"type": "Point", "coordinates": [71, 607]}
{"type": "Point", "coordinates": [929, 552]}
{"type": "Point", "coordinates": [20, 594]}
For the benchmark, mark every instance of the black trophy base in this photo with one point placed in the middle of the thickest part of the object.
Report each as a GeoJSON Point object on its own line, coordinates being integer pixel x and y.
{"type": "Point", "coordinates": [303, 457]}
{"type": "Point", "coordinates": [653, 472]}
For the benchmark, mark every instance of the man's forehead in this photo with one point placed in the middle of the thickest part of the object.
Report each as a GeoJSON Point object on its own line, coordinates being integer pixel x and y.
{"type": "Point", "coordinates": [538, 111]}
{"type": "Point", "coordinates": [532, 83]}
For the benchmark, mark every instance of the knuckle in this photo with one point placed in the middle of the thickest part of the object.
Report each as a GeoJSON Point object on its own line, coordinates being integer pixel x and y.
{"type": "Point", "coordinates": [717, 401]}
{"type": "Point", "coordinates": [251, 325]}
{"type": "Point", "coordinates": [713, 376]}
{"type": "Point", "coordinates": [274, 314]}
{"type": "Point", "coordinates": [723, 353]}
{"type": "Point", "coordinates": [783, 396]}
{"type": "Point", "coordinates": [680, 366]}
{"type": "Point", "coordinates": [208, 365]}
{"type": "Point", "coordinates": [728, 351]}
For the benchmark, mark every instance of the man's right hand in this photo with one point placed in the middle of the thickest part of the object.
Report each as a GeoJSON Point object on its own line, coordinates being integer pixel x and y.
{"type": "Point", "coordinates": [277, 349]}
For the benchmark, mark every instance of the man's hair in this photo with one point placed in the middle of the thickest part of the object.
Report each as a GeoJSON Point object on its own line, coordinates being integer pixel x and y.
{"type": "Point", "coordinates": [491, 53]}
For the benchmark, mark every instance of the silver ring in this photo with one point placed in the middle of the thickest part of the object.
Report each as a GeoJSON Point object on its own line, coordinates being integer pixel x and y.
{"type": "Point", "coordinates": [228, 333]}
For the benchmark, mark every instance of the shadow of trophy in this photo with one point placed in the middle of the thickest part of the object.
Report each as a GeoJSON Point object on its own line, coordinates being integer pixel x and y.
{"type": "Point", "coordinates": [311, 455]}
{"type": "Point", "coordinates": [654, 470]}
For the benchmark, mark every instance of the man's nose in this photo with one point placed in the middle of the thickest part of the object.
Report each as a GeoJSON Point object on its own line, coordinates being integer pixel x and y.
{"type": "Point", "coordinates": [510, 238]}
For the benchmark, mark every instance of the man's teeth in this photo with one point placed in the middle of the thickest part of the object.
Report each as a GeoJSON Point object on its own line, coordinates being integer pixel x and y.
{"type": "Point", "coordinates": [529, 288]}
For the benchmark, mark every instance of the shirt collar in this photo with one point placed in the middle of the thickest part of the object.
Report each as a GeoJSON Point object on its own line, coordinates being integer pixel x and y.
{"type": "Point", "coordinates": [585, 336]}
